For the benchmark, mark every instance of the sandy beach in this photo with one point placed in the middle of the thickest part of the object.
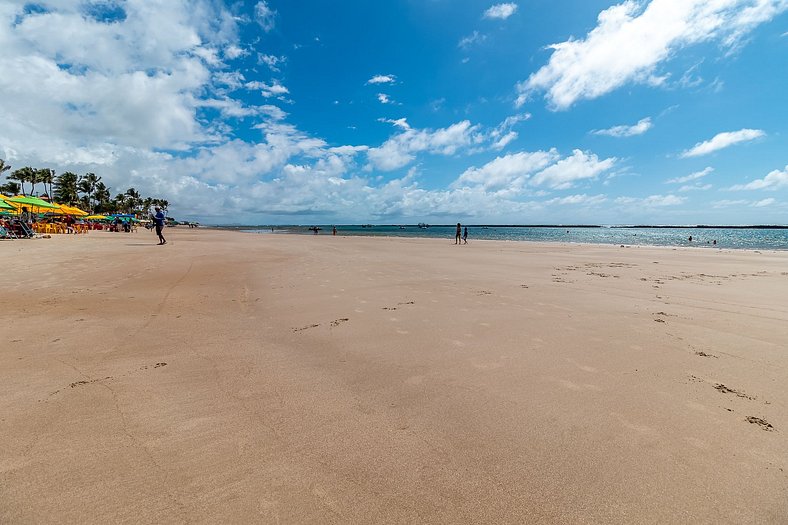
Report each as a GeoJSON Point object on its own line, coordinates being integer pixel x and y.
{"type": "Point", "coordinates": [236, 378]}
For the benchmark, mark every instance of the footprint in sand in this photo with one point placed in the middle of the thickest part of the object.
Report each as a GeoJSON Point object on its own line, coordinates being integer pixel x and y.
{"type": "Point", "coordinates": [725, 390]}
{"type": "Point", "coordinates": [760, 422]}
{"type": "Point", "coordinates": [337, 322]}
{"type": "Point", "coordinates": [307, 327]}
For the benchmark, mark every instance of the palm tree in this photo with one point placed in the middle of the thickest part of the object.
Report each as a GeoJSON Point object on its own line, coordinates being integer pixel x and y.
{"type": "Point", "coordinates": [10, 189]}
{"type": "Point", "coordinates": [133, 200]}
{"type": "Point", "coordinates": [33, 178]}
{"type": "Point", "coordinates": [22, 175]}
{"type": "Point", "coordinates": [47, 176]}
{"type": "Point", "coordinates": [102, 197]}
{"type": "Point", "coordinates": [4, 167]}
{"type": "Point", "coordinates": [66, 188]}
{"type": "Point", "coordinates": [87, 185]}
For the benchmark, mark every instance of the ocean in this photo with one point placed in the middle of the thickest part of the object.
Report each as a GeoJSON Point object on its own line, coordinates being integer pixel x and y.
{"type": "Point", "coordinates": [752, 238]}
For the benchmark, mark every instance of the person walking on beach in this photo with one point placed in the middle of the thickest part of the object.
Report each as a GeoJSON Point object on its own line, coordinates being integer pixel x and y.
{"type": "Point", "coordinates": [158, 220]}
{"type": "Point", "coordinates": [465, 236]}
{"type": "Point", "coordinates": [458, 235]}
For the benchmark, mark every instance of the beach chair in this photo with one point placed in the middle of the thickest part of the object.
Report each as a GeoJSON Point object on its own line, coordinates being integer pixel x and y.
{"type": "Point", "coordinates": [24, 230]}
{"type": "Point", "coordinates": [6, 234]}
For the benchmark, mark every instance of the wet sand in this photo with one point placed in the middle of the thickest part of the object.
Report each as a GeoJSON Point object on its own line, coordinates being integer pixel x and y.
{"type": "Point", "coordinates": [230, 377]}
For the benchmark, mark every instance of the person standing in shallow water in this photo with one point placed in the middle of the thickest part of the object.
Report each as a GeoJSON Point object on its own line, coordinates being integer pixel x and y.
{"type": "Point", "coordinates": [465, 236]}
{"type": "Point", "coordinates": [158, 221]}
{"type": "Point", "coordinates": [458, 235]}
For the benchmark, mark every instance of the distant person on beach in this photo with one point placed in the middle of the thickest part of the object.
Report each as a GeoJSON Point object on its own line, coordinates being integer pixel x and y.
{"type": "Point", "coordinates": [158, 221]}
{"type": "Point", "coordinates": [458, 235]}
{"type": "Point", "coordinates": [334, 230]}
{"type": "Point", "coordinates": [690, 238]}
{"type": "Point", "coordinates": [27, 218]}
{"type": "Point", "coordinates": [465, 236]}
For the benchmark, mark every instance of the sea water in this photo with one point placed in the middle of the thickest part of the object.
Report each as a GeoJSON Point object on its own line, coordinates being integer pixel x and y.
{"type": "Point", "coordinates": [738, 238]}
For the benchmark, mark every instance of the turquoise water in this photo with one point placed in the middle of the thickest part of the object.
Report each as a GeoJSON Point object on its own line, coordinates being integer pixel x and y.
{"type": "Point", "coordinates": [738, 238]}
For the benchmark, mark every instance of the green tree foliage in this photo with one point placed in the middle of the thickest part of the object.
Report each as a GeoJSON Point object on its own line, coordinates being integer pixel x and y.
{"type": "Point", "coordinates": [86, 191]}
{"type": "Point", "coordinates": [66, 191]}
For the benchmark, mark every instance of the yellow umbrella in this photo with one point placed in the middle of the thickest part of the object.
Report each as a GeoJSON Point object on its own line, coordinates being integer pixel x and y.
{"type": "Point", "coordinates": [96, 217]}
{"type": "Point", "coordinates": [71, 210]}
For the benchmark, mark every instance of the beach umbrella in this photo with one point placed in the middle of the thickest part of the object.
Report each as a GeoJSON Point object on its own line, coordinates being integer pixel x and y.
{"type": "Point", "coordinates": [71, 210]}
{"type": "Point", "coordinates": [5, 206]}
{"type": "Point", "coordinates": [96, 217]}
{"type": "Point", "coordinates": [31, 202]}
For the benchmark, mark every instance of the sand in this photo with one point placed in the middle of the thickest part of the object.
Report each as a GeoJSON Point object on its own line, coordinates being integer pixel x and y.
{"type": "Point", "coordinates": [231, 377]}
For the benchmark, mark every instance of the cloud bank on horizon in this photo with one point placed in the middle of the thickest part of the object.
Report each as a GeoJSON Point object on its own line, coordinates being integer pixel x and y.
{"type": "Point", "coordinates": [635, 111]}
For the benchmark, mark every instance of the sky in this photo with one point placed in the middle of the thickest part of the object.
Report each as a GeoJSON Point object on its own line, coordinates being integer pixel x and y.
{"type": "Point", "coordinates": [406, 111]}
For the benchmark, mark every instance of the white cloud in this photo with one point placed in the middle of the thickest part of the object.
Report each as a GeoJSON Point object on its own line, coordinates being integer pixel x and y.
{"type": "Point", "coordinates": [274, 89]}
{"type": "Point", "coordinates": [264, 15]}
{"type": "Point", "coordinates": [382, 79]}
{"type": "Point", "coordinates": [764, 202]}
{"type": "Point", "coordinates": [512, 173]}
{"type": "Point", "coordinates": [508, 172]}
{"type": "Point", "coordinates": [633, 38]}
{"type": "Point", "coordinates": [272, 61]}
{"type": "Point", "coordinates": [566, 172]}
{"type": "Point", "coordinates": [774, 180]}
{"type": "Point", "coordinates": [729, 203]}
{"type": "Point", "coordinates": [400, 149]}
{"type": "Point", "coordinates": [584, 200]}
{"type": "Point", "coordinates": [626, 131]}
{"type": "Point", "coordinates": [721, 141]}
{"type": "Point", "coordinates": [232, 52]}
{"type": "Point", "coordinates": [383, 98]}
{"type": "Point", "coordinates": [695, 187]}
{"type": "Point", "coordinates": [692, 176]}
{"type": "Point", "coordinates": [473, 38]}
{"type": "Point", "coordinates": [651, 201]}
{"type": "Point", "coordinates": [501, 11]}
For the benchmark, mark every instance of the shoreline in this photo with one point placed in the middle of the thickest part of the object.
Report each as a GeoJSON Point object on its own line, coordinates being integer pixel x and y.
{"type": "Point", "coordinates": [696, 246]}
{"type": "Point", "coordinates": [302, 378]}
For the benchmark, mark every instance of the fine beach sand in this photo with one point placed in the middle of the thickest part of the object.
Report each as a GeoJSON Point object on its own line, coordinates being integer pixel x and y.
{"type": "Point", "coordinates": [242, 378]}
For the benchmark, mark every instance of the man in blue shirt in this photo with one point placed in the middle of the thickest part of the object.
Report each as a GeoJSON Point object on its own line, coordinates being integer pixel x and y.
{"type": "Point", "coordinates": [158, 220]}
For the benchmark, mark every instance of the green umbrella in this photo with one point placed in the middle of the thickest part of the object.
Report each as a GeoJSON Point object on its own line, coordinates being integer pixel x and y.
{"type": "Point", "coordinates": [32, 201]}
{"type": "Point", "coordinates": [4, 206]}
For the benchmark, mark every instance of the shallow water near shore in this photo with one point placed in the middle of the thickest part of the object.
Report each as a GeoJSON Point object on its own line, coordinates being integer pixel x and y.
{"type": "Point", "coordinates": [731, 238]}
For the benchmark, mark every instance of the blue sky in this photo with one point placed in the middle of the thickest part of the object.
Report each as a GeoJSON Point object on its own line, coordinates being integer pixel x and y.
{"type": "Point", "coordinates": [661, 111]}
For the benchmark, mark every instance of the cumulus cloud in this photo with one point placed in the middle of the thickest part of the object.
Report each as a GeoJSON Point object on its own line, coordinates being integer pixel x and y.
{"type": "Point", "coordinates": [641, 127]}
{"type": "Point", "coordinates": [272, 61]}
{"type": "Point", "coordinates": [513, 172]}
{"type": "Point", "coordinates": [400, 150]}
{"type": "Point", "coordinates": [774, 180]}
{"type": "Point", "coordinates": [692, 176]}
{"type": "Point", "coordinates": [274, 89]}
{"type": "Point", "coordinates": [383, 98]}
{"type": "Point", "coordinates": [501, 11]}
{"type": "Point", "coordinates": [382, 79]}
{"type": "Point", "coordinates": [567, 172]}
{"type": "Point", "coordinates": [721, 141]}
{"type": "Point", "coordinates": [633, 38]}
{"type": "Point", "coordinates": [264, 15]}
{"type": "Point", "coordinates": [507, 172]}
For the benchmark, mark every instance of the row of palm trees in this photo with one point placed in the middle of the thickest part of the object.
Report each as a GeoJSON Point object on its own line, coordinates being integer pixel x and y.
{"type": "Point", "coordinates": [85, 191]}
